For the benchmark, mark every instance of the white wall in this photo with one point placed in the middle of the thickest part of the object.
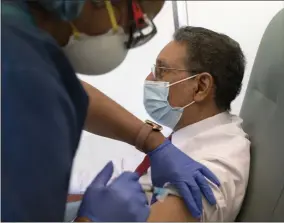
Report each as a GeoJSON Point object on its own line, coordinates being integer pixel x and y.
{"type": "Point", "coordinates": [244, 21]}
{"type": "Point", "coordinates": [125, 86]}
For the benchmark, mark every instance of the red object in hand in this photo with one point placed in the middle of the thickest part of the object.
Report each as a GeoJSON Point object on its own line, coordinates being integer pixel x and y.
{"type": "Point", "coordinates": [143, 167]}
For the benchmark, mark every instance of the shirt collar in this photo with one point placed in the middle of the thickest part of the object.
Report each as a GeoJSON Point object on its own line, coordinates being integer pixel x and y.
{"type": "Point", "coordinates": [202, 126]}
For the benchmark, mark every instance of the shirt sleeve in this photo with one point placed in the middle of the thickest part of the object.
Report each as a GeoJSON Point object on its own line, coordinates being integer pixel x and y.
{"type": "Point", "coordinates": [225, 194]}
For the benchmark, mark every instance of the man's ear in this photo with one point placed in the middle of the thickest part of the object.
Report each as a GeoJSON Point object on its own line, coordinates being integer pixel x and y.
{"type": "Point", "coordinates": [203, 86]}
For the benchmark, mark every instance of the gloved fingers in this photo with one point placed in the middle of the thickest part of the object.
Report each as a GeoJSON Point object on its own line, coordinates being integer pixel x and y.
{"type": "Point", "coordinates": [128, 176]}
{"type": "Point", "coordinates": [154, 199]}
{"type": "Point", "coordinates": [104, 176]}
{"type": "Point", "coordinates": [189, 200]}
{"type": "Point", "coordinates": [210, 176]}
{"type": "Point", "coordinates": [129, 181]}
{"type": "Point", "coordinates": [144, 213]}
{"type": "Point", "coordinates": [205, 188]}
{"type": "Point", "coordinates": [138, 195]}
{"type": "Point", "coordinates": [196, 194]}
{"type": "Point", "coordinates": [143, 199]}
{"type": "Point", "coordinates": [140, 192]}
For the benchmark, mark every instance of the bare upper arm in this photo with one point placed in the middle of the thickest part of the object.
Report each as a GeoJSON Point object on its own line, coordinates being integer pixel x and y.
{"type": "Point", "coordinates": [172, 209]}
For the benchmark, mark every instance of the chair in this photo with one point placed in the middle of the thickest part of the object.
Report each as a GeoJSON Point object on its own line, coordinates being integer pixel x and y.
{"type": "Point", "coordinates": [263, 115]}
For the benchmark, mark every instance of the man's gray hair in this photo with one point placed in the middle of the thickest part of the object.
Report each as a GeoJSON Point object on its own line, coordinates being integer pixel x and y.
{"type": "Point", "coordinates": [217, 54]}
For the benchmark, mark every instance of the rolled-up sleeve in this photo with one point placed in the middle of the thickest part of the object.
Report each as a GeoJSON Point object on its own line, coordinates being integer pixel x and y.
{"type": "Point", "coordinates": [227, 197]}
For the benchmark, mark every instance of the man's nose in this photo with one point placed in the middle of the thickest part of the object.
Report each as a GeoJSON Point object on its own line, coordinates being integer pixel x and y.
{"type": "Point", "coordinates": [150, 77]}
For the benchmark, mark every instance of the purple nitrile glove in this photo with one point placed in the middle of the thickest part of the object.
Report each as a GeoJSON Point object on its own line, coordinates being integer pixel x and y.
{"type": "Point", "coordinates": [122, 200]}
{"type": "Point", "coordinates": [171, 165]}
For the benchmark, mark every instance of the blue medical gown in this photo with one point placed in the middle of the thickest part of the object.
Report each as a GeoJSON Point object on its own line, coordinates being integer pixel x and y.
{"type": "Point", "coordinates": [43, 111]}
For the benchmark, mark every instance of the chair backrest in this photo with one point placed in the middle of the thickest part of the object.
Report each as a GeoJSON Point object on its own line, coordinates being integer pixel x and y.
{"type": "Point", "coordinates": [263, 115]}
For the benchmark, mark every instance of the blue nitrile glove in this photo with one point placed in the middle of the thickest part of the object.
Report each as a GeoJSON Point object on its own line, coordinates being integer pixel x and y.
{"type": "Point", "coordinates": [170, 165]}
{"type": "Point", "coordinates": [121, 200]}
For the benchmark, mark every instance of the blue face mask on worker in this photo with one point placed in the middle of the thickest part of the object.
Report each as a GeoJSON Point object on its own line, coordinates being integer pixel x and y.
{"type": "Point", "coordinates": [156, 102]}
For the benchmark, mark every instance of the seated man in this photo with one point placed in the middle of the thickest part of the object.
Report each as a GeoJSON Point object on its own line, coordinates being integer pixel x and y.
{"type": "Point", "coordinates": [190, 89]}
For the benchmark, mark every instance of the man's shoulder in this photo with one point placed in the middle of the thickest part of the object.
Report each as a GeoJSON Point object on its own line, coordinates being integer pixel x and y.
{"type": "Point", "coordinates": [231, 126]}
{"type": "Point", "coordinates": [224, 140]}
{"type": "Point", "coordinates": [227, 141]}
{"type": "Point", "coordinates": [224, 146]}
{"type": "Point", "coordinates": [226, 152]}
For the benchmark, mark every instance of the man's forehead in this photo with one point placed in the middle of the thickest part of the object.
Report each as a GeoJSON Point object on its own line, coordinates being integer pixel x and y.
{"type": "Point", "coordinates": [172, 54]}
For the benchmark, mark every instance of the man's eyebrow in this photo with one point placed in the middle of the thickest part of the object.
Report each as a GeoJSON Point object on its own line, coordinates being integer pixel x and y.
{"type": "Point", "coordinates": [162, 63]}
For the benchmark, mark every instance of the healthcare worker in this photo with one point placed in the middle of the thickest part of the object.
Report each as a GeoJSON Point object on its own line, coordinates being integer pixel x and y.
{"type": "Point", "coordinates": [45, 107]}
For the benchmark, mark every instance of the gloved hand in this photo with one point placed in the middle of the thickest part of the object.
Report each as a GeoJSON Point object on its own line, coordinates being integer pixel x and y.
{"type": "Point", "coordinates": [121, 200]}
{"type": "Point", "coordinates": [170, 165]}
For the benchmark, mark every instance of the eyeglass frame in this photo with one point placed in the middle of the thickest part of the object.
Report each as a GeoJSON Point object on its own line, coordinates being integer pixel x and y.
{"type": "Point", "coordinates": [153, 70]}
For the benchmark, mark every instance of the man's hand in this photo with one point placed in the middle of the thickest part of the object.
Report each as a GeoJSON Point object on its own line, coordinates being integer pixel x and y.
{"type": "Point", "coordinates": [170, 165]}
{"type": "Point", "coordinates": [121, 200]}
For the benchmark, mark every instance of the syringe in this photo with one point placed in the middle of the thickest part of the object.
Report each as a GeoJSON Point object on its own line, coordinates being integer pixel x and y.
{"type": "Point", "coordinates": [159, 192]}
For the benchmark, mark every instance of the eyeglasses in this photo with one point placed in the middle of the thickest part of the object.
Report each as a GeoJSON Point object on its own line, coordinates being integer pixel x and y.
{"type": "Point", "coordinates": [157, 72]}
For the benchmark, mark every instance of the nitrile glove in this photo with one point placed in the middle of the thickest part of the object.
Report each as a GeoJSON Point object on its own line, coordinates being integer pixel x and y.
{"type": "Point", "coordinates": [170, 165]}
{"type": "Point", "coordinates": [121, 200]}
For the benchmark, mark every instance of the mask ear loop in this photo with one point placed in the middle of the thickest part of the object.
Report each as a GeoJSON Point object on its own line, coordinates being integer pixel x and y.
{"type": "Point", "coordinates": [111, 15]}
{"type": "Point", "coordinates": [188, 104]}
{"type": "Point", "coordinates": [188, 78]}
{"type": "Point", "coordinates": [75, 31]}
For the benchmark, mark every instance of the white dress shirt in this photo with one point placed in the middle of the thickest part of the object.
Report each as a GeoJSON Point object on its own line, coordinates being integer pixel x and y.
{"type": "Point", "coordinates": [222, 146]}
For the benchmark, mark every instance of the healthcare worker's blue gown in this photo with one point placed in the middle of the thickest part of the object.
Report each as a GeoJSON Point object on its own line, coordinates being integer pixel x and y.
{"type": "Point", "coordinates": [43, 111]}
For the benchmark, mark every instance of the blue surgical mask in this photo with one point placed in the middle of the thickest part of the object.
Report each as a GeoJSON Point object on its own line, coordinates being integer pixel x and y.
{"type": "Point", "coordinates": [156, 102]}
